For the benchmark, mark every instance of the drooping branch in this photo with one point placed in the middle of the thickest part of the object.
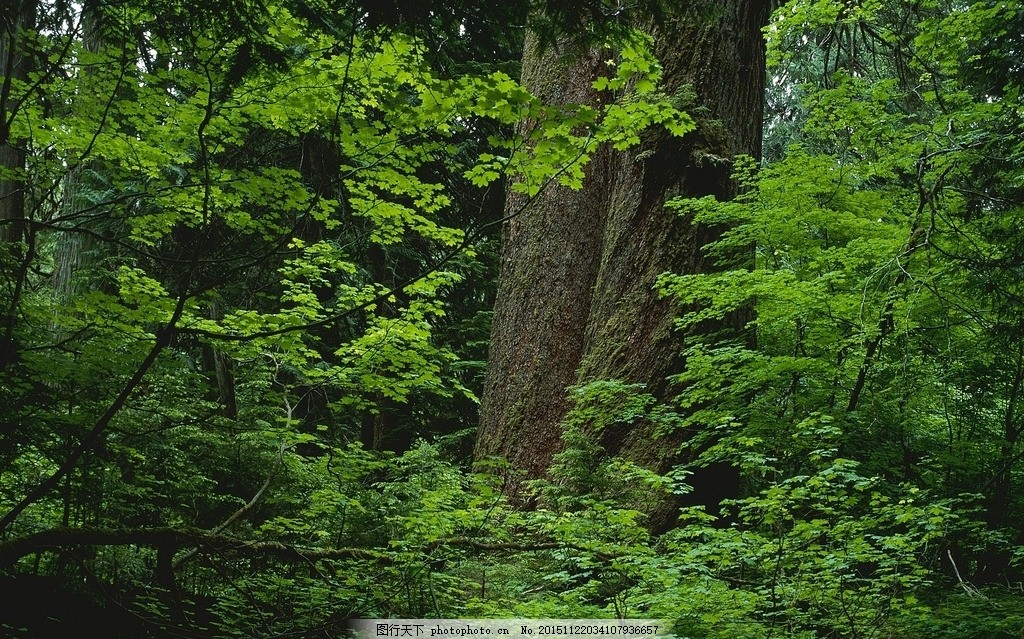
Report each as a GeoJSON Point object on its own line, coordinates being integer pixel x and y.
{"type": "Point", "coordinates": [60, 538]}
{"type": "Point", "coordinates": [169, 540]}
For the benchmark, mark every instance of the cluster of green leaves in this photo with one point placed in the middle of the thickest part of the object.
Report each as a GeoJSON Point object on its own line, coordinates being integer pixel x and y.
{"type": "Point", "coordinates": [832, 552]}
{"type": "Point", "coordinates": [885, 296]}
{"type": "Point", "coordinates": [240, 235]}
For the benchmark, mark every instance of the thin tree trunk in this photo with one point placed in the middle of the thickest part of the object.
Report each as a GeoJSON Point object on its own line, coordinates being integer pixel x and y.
{"type": "Point", "coordinates": [18, 17]}
{"type": "Point", "coordinates": [576, 299]}
{"type": "Point", "coordinates": [1002, 479]}
{"type": "Point", "coordinates": [223, 370]}
{"type": "Point", "coordinates": [71, 246]}
{"type": "Point", "coordinates": [15, 63]}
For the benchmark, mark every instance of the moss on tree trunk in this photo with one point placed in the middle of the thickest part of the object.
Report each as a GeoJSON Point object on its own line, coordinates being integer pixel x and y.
{"type": "Point", "coordinates": [575, 300]}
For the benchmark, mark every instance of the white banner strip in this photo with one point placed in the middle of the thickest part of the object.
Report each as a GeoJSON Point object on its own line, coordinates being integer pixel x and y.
{"type": "Point", "coordinates": [511, 628]}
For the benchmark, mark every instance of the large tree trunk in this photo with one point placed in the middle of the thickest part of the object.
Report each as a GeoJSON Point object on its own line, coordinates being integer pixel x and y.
{"type": "Point", "coordinates": [576, 301]}
{"type": "Point", "coordinates": [549, 264]}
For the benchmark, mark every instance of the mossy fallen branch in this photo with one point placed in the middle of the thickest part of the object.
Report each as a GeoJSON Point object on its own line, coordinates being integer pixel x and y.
{"type": "Point", "coordinates": [56, 539]}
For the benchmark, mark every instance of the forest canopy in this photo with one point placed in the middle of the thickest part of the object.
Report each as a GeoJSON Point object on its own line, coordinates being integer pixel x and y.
{"type": "Point", "coordinates": [313, 311]}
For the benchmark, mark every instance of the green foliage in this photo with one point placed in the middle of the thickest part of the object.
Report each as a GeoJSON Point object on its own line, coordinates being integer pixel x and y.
{"type": "Point", "coordinates": [255, 259]}
{"type": "Point", "coordinates": [884, 386]}
{"type": "Point", "coordinates": [831, 553]}
{"type": "Point", "coordinates": [255, 246]}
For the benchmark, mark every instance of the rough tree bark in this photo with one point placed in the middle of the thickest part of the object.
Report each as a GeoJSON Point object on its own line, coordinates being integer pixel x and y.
{"type": "Point", "coordinates": [575, 300]}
